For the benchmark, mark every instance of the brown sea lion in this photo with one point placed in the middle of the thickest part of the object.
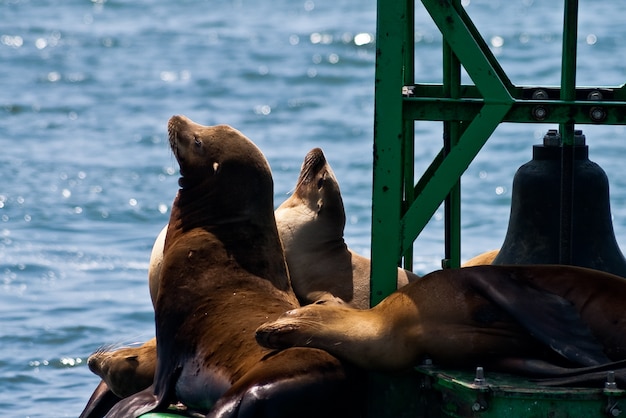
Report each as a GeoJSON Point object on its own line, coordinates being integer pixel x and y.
{"type": "Point", "coordinates": [311, 225]}
{"type": "Point", "coordinates": [515, 318]}
{"type": "Point", "coordinates": [223, 274]}
{"type": "Point", "coordinates": [125, 371]}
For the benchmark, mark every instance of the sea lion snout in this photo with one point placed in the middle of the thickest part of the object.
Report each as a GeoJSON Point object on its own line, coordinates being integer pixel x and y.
{"type": "Point", "coordinates": [272, 334]}
{"type": "Point", "coordinates": [182, 136]}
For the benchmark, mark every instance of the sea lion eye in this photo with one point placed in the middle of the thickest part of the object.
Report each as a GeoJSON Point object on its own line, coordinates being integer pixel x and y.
{"type": "Point", "coordinates": [320, 182]}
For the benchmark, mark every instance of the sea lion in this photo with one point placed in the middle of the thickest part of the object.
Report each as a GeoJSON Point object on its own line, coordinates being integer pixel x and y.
{"type": "Point", "coordinates": [321, 266]}
{"type": "Point", "coordinates": [514, 318]}
{"type": "Point", "coordinates": [125, 371]}
{"type": "Point", "coordinates": [223, 274]}
{"type": "Point", "coordinates": [311, 225]}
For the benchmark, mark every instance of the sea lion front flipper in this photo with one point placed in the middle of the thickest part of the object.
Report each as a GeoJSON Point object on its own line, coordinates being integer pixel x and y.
{"type": "Point", "coordinates": [135, 405]}
{"type": "Point", "coordinates": [296, 382]}
{"type": "Point", "coordinates": [100, 402]}
{"type": "Point", "coordinates": [548, 317]}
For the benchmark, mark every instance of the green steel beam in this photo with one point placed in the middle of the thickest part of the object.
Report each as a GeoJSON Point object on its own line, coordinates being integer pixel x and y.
{"type": "Point", "coordinates": [478, 61]}
{"type": "Point", "coordinates": [470, 114]}
{"type": "Point", "coordinates": [521, 111]}
{"type": "Point", "coordinates": [451, 135]}
{"type": "Point", "coordinates": [387, 193]}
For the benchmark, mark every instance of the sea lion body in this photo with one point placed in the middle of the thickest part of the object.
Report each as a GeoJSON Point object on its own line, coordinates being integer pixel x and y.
{"type": "Point", "coordinates": [311, 225]}
{"type": "Point", "coordinates": [490, 316]}
{"type": "Point", "coordinates": [223, 274]}
{"type": "Point", "coordinates": [482, 259]}
{"type": "Point", "coordinates": [154, 267]}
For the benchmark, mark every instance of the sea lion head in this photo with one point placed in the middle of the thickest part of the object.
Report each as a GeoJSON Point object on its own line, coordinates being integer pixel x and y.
{"type": "Point", "coordinates": [316, 207]}
{"type": "Point", "coordinates": [220, 168]}
{"type": "Point", "coordinates": [126, 371]}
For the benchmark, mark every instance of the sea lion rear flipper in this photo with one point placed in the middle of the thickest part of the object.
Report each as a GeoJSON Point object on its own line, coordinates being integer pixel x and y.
{"type": "Point", "coordinates": [548, 317]}
{"type": "Point", "coordinates": [586, 376]}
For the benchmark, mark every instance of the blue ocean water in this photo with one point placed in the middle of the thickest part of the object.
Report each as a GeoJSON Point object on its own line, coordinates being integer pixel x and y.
{"type": "Point", "coordinates": [87, 87]}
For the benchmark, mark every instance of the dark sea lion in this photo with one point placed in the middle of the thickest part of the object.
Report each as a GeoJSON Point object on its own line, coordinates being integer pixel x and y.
{"type": "Point", "coordinates": [223, 274]}
{"type": "Point", "coordinates": [515, 318]}
{"type": "Point", "coordinates": [311, 225]}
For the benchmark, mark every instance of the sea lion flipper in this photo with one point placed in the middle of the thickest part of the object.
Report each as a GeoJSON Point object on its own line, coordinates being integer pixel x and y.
{"type": "Point", "coordinates": [548, 317]}
{"type": "Point", "coordinates": [100, 402]}
{"type": "Point", "coordinates": [135, 405]}
{"type": "Point", "coordinates": [300, 382]}
{"type": "Point", "coordinates": [586, 376]}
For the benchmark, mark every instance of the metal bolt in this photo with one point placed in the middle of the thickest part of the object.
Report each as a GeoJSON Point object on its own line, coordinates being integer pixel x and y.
{"type": "Point", "coordinates": [610, 380]}
{"type": "Point", "coordinates": [476, 407]}
{"type": "Point", "coordinates": [540, 95]}
{"type": "Point", "coordinates": [597, 114]}
{"type": "Point", "coordinates": [615, 411]}
{"type": "Point", "coordinates": [552, 138]}
{"type": "Point", "coordinates": [579, 138]}
{"type": "Point", "coordinates": [480, 376]}
{"type": "Point", "coordinates": [594, 95]}
{"type": "Point", "coordinates": [539, 112]}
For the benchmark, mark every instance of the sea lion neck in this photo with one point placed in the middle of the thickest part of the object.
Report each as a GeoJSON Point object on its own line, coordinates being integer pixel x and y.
{"type": "Point", "coordinates": [251, 238]}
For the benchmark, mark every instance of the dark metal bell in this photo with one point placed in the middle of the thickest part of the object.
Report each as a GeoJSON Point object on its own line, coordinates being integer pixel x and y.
{"type": "Point", "coordinates": [533, 235]}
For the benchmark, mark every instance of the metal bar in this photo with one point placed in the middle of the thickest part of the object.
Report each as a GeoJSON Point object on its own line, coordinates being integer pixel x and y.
{"type": "Point", "coordinates": [388, 139]}
{"type": "Point", "coordinates": [476, 61]}
{"type": "Point", "coordinates": [451, 134]}
{"type": "Point", "coordinates": [522, 111]}
{"type": "Point", "coordinates": [607, 93]}
{"type": "Point", "coordinates": [568, 92]}
{"type": "Point", "coordinates": [408, 143]}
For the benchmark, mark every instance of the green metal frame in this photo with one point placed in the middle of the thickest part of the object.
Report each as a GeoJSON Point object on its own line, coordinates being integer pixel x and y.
{"type": "Point", "coordinates": [401, 208]}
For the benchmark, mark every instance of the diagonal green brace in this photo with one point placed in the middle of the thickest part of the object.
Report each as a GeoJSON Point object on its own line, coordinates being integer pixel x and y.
{"type": "Point", "coordinates": [477, 60]}
{"type": "Point", "coordinates": [450, 169]}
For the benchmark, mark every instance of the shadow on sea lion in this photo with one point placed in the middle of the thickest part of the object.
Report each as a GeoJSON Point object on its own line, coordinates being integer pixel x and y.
{"type": "Point", "coordinates": [535, 320]}
{"type": "Point", "coordinates": [223, 274]}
